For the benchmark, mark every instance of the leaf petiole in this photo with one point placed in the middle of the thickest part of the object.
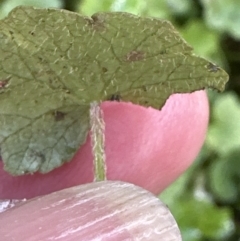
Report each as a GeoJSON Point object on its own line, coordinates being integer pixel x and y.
{"type": "Point", "coordinates": [98, 141]}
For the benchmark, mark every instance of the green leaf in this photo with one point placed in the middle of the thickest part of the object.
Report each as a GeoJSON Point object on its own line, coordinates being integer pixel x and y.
{"type": "Point", "coordinates": [224, 177]}
{"type": "Point", "coordinates": [193, 32]}
{"type": "Point", "coordinates": [54, 63]}
{"type": "Point", "coordinates": [224, 132]}
{"type": "Point", "coordinates": [223, 15]}
{"type": "Point", "coordinates": [193, 218]}
{"type": "Point", "coordinates": [89, 7]}
{"type": "Point", "coordinates": [8, 5]}
{"type": "Point", "coordinates": [154, 8]}
{"type": "Point", "coordinates": [180, 7]}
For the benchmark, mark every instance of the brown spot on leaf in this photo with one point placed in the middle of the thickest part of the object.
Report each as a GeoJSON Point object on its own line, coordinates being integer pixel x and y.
{"type": "Point", "coordinates": [32, 33]}
{"type": "Point", "coordinates": [97, 22]}
{"type": "Point", "coordinates": [115, 97]}
{"type": "Point", "coordinates": [164, 51]}
{"type": "Point", "coordinates": [144, 88]}
{"type": "Point", "coordinates": [38, 154]}
{"type": "Point", "coordinates": [11, 34]}
{"type": "Point", "coordinates": [58, 115]}
{"type": "Point", "coordinates": [213, 68]}
{"type": "Point", "coordinates": [134, 56]}
{"type": "Point", "coordinates": [104, 70]}
{"type": "Point", "coordinates": [3, 83]}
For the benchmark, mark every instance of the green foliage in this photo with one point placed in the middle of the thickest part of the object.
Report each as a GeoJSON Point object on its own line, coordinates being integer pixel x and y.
{"type": "Point", "coordinates": [224, 177]}
{"type": "Point", "coordinates": [203, 219]}
{"type": "Point", "coordinates": [193, 206]}
{"type": "Point", "coordinates": [224, 140]}
{"type": "Point", "coordinates": [8, 5]}
{"type": "Point", "coordinates": [153, 67]}
{"type": "Point", "coordinates": [223, 15]}
{"type": "Point", "coordinates": [193, 31]}
{"type": "Point", "coordinates": [180, 7]}
{"type": "Point", "coordinates": [92, 6]}
{"type": "Point", "coordinates": [223, 136]}
{"type": "Point", "coordinates": [205, 200]}
{"type": "Point", "coordinates": [148, 8]}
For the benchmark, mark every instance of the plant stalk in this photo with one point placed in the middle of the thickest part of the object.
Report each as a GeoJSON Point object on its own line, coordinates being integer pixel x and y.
{"type": "Point", "coordinates": [98, 142]}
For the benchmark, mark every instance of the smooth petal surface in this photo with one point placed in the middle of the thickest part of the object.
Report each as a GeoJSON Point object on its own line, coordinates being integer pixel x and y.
{"type": "Point", "coordinates": [144, 146]}
{"type": "Point", "coordinates": [98, 211]}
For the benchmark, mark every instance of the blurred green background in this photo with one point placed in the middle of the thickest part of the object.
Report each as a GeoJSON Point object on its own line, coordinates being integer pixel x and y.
{"type": "Point", "coordinates": [206, 199]}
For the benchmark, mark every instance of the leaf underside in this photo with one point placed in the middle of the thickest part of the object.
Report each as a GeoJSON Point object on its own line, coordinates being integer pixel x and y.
{"type": "Point", "coordinates": [54, 63]}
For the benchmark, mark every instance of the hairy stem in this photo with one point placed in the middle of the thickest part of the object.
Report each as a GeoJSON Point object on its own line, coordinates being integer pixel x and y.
{"type": "Point", "coordinates": [98, 141]}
